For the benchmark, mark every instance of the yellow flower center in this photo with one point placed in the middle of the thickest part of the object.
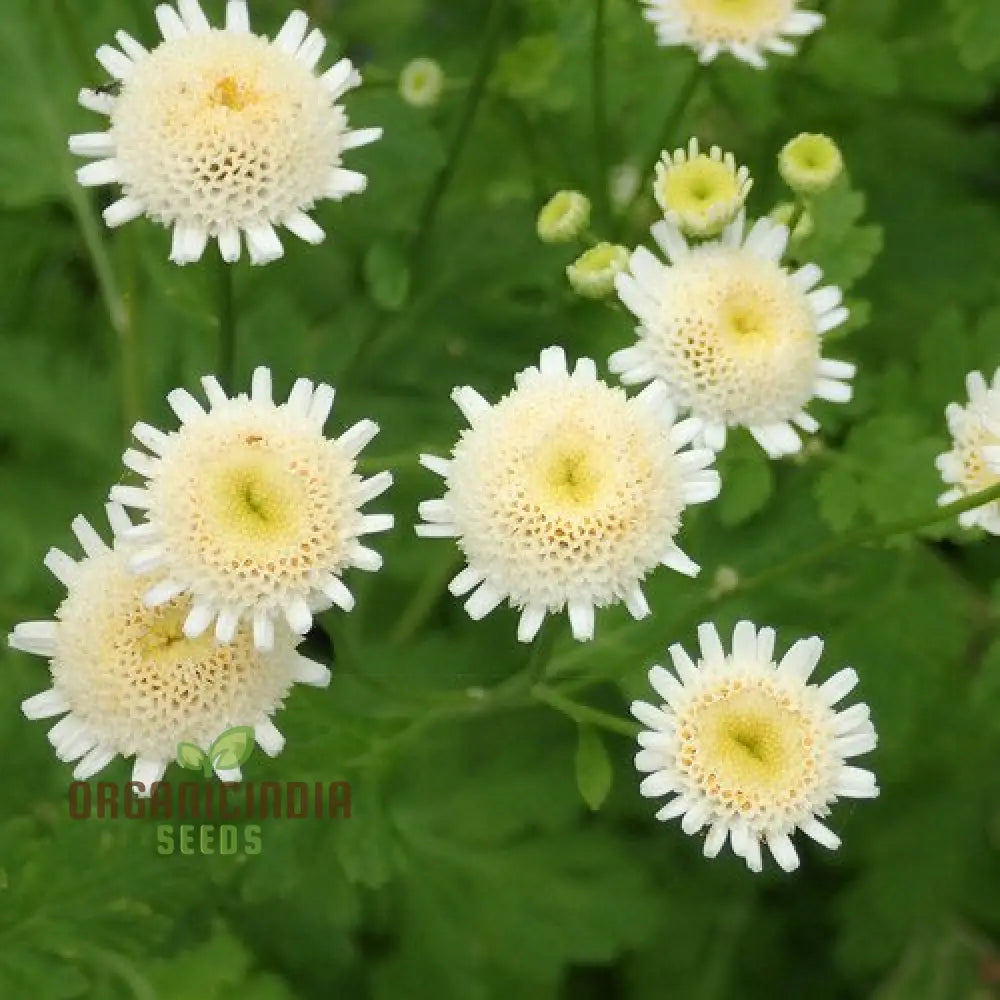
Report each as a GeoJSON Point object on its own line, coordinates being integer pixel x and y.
{"type": "Point", "coordinates": [750, 749]}
{"type": "Point", "coordinates": [976, 475]}
{"type": "Point", "coordinates": [697, 185]}
{"type": "Point", "coordinates": [232, 94]}
{"type": "Point", "coordinates": [744, 320]}
{"type": "Point", "coordinates": [571, 475]}
{"type": "Point", "coordinates": [736, 20]}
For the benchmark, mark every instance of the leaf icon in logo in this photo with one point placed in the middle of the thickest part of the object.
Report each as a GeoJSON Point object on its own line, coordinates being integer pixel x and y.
{"type": "Point", "coordinates": [232, 748]}
{"type": "Point", "coordinates": [192, 758]}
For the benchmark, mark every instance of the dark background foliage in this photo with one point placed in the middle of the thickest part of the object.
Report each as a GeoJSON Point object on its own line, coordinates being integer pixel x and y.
{"type": "Point", "coordinates": [472, 867]}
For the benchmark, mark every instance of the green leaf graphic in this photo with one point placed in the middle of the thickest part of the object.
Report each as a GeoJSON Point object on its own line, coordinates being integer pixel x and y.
{"type": "Point", "coordinates": [232, 748]}
{"type": "Point", "coordinates": [190, 756]}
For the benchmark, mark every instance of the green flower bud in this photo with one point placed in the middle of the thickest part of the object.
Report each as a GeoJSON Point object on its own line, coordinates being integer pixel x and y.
{"type": "Point", "coordinates": [810, 163]}
{"type": "Point", "coordinates": [564, 218]}
{"type": "Point", "coordinates": [421, 83]}
{"type": "Point", "coordinates": [593, 274]}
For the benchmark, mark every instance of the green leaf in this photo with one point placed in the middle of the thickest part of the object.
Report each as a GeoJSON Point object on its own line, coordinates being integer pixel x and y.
{"type": "Point", "coordinates": [232, 748]}
{"type": "Point", "coordinates": [190, 756]}
{"type": "Point", "coordinates": [593, 767]}
{"type": "Point", "coordinates": [388, 276]}
{"type": "Point", "coordinates": [747, 481]}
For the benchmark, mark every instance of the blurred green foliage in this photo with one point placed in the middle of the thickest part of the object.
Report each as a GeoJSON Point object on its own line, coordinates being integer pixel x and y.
{"type": "Point", "coordinates": [472, 867]}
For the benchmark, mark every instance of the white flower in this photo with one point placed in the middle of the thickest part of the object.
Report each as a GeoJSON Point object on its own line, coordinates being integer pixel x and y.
{"type": "Point", "coordinates": [748, 749]}
{"type": "Point", "coordinates": [566, 494]}
{"type": "Point", "coordinates": [748, 29]}
{"type": "Point", "coordinates": [218, 132]}
{"type": "Point", "coordinates": [251, 509]}
{"type": "Point", "coordinates": [973, 464]}
{"type": "Point", "coordinates": [128, 682]}
{"type": "Point", "coordinates": [700, 193]}
{"type": "Point", "coordinates": [735, 337]}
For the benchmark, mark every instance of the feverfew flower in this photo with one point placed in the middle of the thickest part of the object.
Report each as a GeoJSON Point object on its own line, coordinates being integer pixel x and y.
{"type": "Point", "coordinates": [733, 335]}
{"type": "Point", "coordinates": [564, 217]}
{"type": "Point", "coordinates": [218, 132]}
{"type": "Point", "coordinates": [973, 464]}
{"type": "Point", "coordinates": [566, 494]}
{"type": "Point", "coordinates": [421, 83]}
{"type": "Point", "coordinates": [128, 682]}
{"type": "Point", "coordinates": [700, 193]}
{"type": "Point", "coordinates": [593, 273]}
{"type": "Point", "coordinates": [750, 750]}
{"type": "Point", "coordinates": [809, 164]}
{"type": "Point", "coordinates": [745, 28]}
{"type": "Point", "coordinates": [251, 510]}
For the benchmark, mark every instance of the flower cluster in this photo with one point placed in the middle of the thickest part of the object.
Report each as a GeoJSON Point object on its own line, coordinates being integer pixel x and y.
{"type": "Point", "coordinates": [252, 516]}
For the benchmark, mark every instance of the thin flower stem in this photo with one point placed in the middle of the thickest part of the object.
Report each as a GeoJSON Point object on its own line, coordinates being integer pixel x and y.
{"type": "Point", "coordinates": [584, 714]}
{"type": "Point", "coordinates": [599, 98]}
{"type": "Point", "coordinates": [435, 196]}
{"type": "Point", "coordinates": [665, 139]}
{"type": "Point", "coordinates": [227, 325]}
{"type": "Point", "coordinates": [864, 536]}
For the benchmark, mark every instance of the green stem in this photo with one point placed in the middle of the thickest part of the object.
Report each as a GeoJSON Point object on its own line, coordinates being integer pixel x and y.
{"type": "Point", "coordinates": [435, 196]}
{"type": "Point", "coordinates": [584, 714]}
{"type": "Point", "coordinates": [665, 139]}
{"type": "Point", "coordinates": [227, 325]}
{"type": "Point", "coordinates": [864, 536]}
{"type": "Point", "coordinates": [598, 81]}
{"type": "Point", "coordinates": [424, 600]}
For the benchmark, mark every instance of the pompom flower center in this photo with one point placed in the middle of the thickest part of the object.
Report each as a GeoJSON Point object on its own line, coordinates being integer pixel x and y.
{"type": "Point", "coordinates": [223, 128]}
{"type": "Point", "coordinates": [744, 20]}
{"type": "Point", "coordinates": [255, 498]}
{"type": "Point", "coordinates": [572, 472]}
{"type": "Point", "coordinates": [750, 750]}
{"type": "Point", "coordinates": [261, 500]}
{"type": "Point", "coordinates": [138, 683]}
{"type": "Point", "coordinates": [738, 338]}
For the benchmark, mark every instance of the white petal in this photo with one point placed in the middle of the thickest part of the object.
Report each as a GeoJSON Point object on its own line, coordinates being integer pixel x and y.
{"type": "Point", "coordinates": [98, 173]}
{"type": "Point", "coordinates": [155, 440]}
{"type": "Point", "coordinates": [745, 643]}
{"type": "Point", "coordinates": [263, 630]}
{"type": "Point", "coordinates": [581, 619]}
{"type": "Point", "coordinates": [358, 437]}
{"type": "Point", "coordinates": [147, 773]}
{"type": "Point", "coordinates": [372, 488]}
{"type": "Point", "coordinates": [361, 137]}
{"type": "Point", "coordinates": [838, 686]}
{"type": "Point", "coordinates": [185, 406]}
{"type": "Point", "coordinates": [651, 716]}
{"type": "Point", "coordinates": [635, 601]}
{"type": "Point", "coordinates": [116, 63]}
{"type": "Point", "coordinates": [683, 664]}
{"type": "Point", "coordinates": [171, 25]}
{"type": "Point", "coordinates": [364, 558]}
{"type": "Point", "coordinates": [60, 565]}
{"type": "Point", "coordinates": [822, 835]}
{"type": "Point", "coordinates": [199, 618]}
{"type": "Point", "coordinates": [260, 385]}
{"type": "Point", "coordinates": [783, 851]}
{"type": "Point", "coordinates": [340, 78]}
{"type": "Point", "coordinates": [237, 17]}
{"type": "Point", "coordinates": [675, 559]}
{"type": "Point", "coordinates": [96, 760]}
{"type": "Point", "coordinates": [230, 242]}
{"type": "Point", "coordinates": [343, 182]}
{"type": "Point", "coordinates": [337, 591]}
{"type": "Point", "coordinates": [472, 405]}
{"type": "Point", "coordinates": [300, 398]}
{"type": "Point", "coordinates": [45, 705]}
{"type": "Point", "coordinates": [298, 616]}
{"type": "Point", "coordinates": [670, 241]}
{"type": "Point", "coordinates": [661, 783]}
{"type": "Point", "coordinates": [801, 659]}
{"type": "Point", "coordinates": [305, 227]}
{"type": "Point", "coordinates": [483, 601]}
{"type": "Point", "coordinates": [268, 738]}
{"type": "Point", "coordinates": [715, 840]}
{"type": "Point", "coordinates": [306, 671]}
{"type": "Point", "coordinates": [807, 277]}
{"type": "Point", "coordinates": [311, 51]}
{"type": "Point", "coordinates": [372, 524]}
{"type": "Point", "coordinates": [439, 466]}
{"type": "Point", "coordinates": [214, 392]}
{"type": "Point", "coordinates": [164, 591]}
{"type": "Point", "coordinates": [292, 32]}
{"type": "Point", "coordinates": [530, 622]}
{"type": "Point", "coordinates": [89, 539]}
{"type": "Point", "coordinates": [226, 625]}
{"type": "Point", "coordinates": [832, 320]}
{"type": "Point", "coordinates": [262, 242]}
{"type": "Point", "coordinates": [465, 581]}
{"type": "Point", "coordinates": [193, 17]}
{"type": "Point", "coordinates": [92, 144]}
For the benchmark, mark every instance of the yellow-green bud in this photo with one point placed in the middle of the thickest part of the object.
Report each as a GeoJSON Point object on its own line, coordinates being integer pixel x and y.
{"type": "Point", "coordinates": [783, 213]}
{"type": "Point", "coordinates": [810, 163]}
{"type": "Point", "coordinates": [421, 83]}
{"type": "Point", "coordinates": [564, 218]}
{"type": "Point", "coordinates": [593, 274]}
